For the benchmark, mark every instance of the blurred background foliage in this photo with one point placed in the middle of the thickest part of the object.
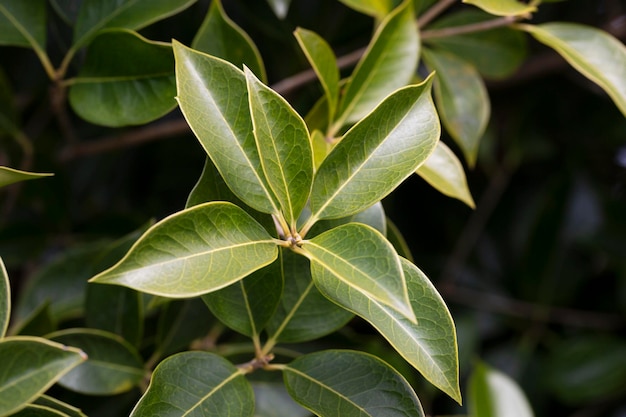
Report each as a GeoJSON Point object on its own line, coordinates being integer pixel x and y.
{"type": "Point", "coordinates": [535, 277]}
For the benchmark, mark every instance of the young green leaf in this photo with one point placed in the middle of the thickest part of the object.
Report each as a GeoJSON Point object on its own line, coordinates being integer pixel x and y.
{"type": "Point", "coordinates": [361, 258]}
{"type": "Point", "coordinates": [221, 37]}
{"type": "Point", "coordinates": [132, 83]}
{"type": "Point", "coordinates": [375, 8]}
{"type": "Point", "coordinates": [377, 154]}
{"type": "Point", "coordinates": [23, 23]}
{"type": "Point", "coordinates": [324, 63]}
{"type": "Point", "coordinates": [10, 176]}
{"type": "Point", "coordinates": [430, 345]}
{"type": "Point", "coordinates": [30, 365]}
{"type": "Point", "coordinates": [213, 97]}
{"type": "Point", "coordinates": [55, 404]}
{"type": "Point", "coordinates": [461, 98]}
{"type": "Point", "coordinates": [505, 7]}
{"type": "Point", "coordinates": [5, 300]}
{"type": "Point", "coordinates": [389, 63]}
{"type": "Point", "coordinates": [444, 172]}
{"type": "Point", "coordinates": [335, 383]}
{"type": "Point", "coordinates": [196, 383]}
{"type": "Point", "coordinates": [594, 53]}
{"type": "Point", "coordinates": [284, 147]}
{"type": "Point", "coordinates": [321, 147]}
{"type": "Point", "coordinates": [193, 252]}
{"type": "Point", "coordinates": [493, 394]}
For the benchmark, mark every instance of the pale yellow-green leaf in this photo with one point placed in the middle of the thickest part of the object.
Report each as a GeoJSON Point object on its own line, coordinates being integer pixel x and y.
{"type": "Point", "coordinates": [10, 176]}
{"type": "Point", "coordinates": [504, 7]}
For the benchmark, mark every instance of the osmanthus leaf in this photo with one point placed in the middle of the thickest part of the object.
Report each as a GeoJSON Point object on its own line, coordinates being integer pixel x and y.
{"type": "Point", "coordinates": [273, 400]}
{"type": "Point", "coordinates": [493, 394]}
{"type": "Point", "coordinates": [248, 304]}
{"type": "Point", "coordinates": [112, 367]}
{"type": "Point", "coordinates": [195, 384]}
{"type": "Point", "coordinates": [324, 63]}
{"type": "Point", "coordinates": [303, 313]}
{"type": "Point", "coordinates": [58, 405]}
{"type": "Point", "coordinates": [193, 252]}
{"type": "Point", "coordinates": [180, 323]}
{"type": "Point", "coordinates": [221, 37]}
{"type": "Point", "coordinates": [444, 172]}
{"type": "Point", "coordinates": [373, 216]}
{"type": "Point", "coordinates": [388, 63]}
{"type": "Point", "coordinates": [284, 147]}
{"type": "Point", "coordinates": [30, 365]}
{"type": "Point", "coordinates": [23, 23]}
{"type": "Point", "coordinates": [213, 97]}
{"type": "Point", "coordinates": [96, 15]}
{"type": "Point", "coordinates": [429, 345]}
{"type": "Point", "coordinates": [505, 7]}
{"type": "Point", "coordinates": [594, 53]}
{"type": "Point", "coordinates": [5, 300]}
{"type": "Point", "coordinates": [132, 83]}
{"type": "Point", "coordinates": [339, 383]}
{"type": "Point", "coordinates": [67, 10]}
{"type": "Point", "coordinates": [461, 98]}
{"type": "Point", "coordinates": [34, 410]}
{"type": "Point", "coordinates": [377, 154]}
{"type": "Point", "coordinates": [375, 8]}
{"type": "Point", "coordinates": [361, 258]}
{"type": "Point", "coordinates": [38, 323]}
{"type": "Point", "coordinates": [10, 176]}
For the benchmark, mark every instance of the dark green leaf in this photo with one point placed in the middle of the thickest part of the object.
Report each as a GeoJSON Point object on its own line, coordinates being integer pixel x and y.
{"type": "Point", "coordinates": [10, 176]}
{"type": "Point", "coordinates": [5, 300]}
{"type": "Point", "coordinates": [273, 400]}
{"type": "Point", "coordinates": [180, 323]}
{"type": "Point", "coordinates": [38, 411]}
{"type": "Point", "coordinates": [113, 366]}
{"type": "Point", "coordinates": [65, 409]}
{"type": "Point", "coordinates": [23, 23]}
{"type": "Point", "coordinates": [30, 365]}
{"type": "Point", "coordinates": [505, 7]}
{"type": "Point", "coordinates": [338, 383]}
{"type": "Point", "coordinates": [67, 9]}
{"type": "Point", "coordinates": [193, 252]}
{"type": "Point", "coordinates": [38, 323]}
{"type": "Point", "coordinates": [221, 37]}
{"type": "Point", "coordinates": [194, 384]}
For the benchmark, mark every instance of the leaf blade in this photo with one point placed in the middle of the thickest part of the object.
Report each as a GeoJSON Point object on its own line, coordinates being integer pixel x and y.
{"type": "Point", "coordinates": [23, 24]}
{"type": "Point", "coordinates": [5, 299]}
{"type": "Point", "coordinates": [11, 176]}
{"type": "Point", "coordinates": [504, 7]}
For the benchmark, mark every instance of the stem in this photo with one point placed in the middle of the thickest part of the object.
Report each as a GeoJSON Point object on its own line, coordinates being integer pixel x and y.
{"type": "Point", "coordinates": [470, 28]}
{"type": "Point", "coordinates": [430, 14]}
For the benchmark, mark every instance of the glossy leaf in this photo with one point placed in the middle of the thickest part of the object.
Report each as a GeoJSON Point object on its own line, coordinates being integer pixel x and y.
{"type": "Point", "coordinates": [67, 9]}
{"type": "Point", "coordinates": [337, 383]}
{"type": "Point", "coordinates": [273, 400]}
{"type": "Point", "coordinates": [324, 63]}
{"type": "Point", "coordinates": [38, 323]}
{"type": "Point", "coordinates": [194, 384]}
{"type": "Point", "coordinates": [321, 147]}
{"type": "Point", "coordinates": [377, 154]}
{"type": "Point", "coordinates": [388, 63]}
{"type": "Point", "coordinates": [284, 147]}
{"type": "Point", "coordinates": [594, 53]}
{"type": "Point", "coordinates": [11, 176]}
{"type": "Point", "coordinates": [60, 406]}
{"type": "Point", "coordinates": [30, 365]}
{"type": "Point", "coordinates": [113, 366]}
{"type": "Point", "coordinates": [280, 7]}
{"type": "Point", "coordinates": [194, 251]}
{"type": "Point", "coordinates": [505, 7]}
{"type": "Point", "coordinates": [5, 300]}
{"type": "Point", "coordinates": [213, 96]}
{"type": "Point", "coordinates": [33, 410]}
{"type": "Point", "coordinates": [23, 23]}
{"type": "Point", "coordinates": [493, 394]}
{"type": "Point", "coordinates": [376, 8]}
{"type": "Point", "coordinates": [373, 216]}
{"type": "Point", "coordinates": [303, 313]}
{"type": "Point", "coordinates": [462, 100]}
{"type": "Point", "coordinates": [429, 345]}
{"type": "Point", "coordinates": [96, 15]}
{"type": "Point", "coordinates": [131, 83]}
{"type": "Point", "coordinates": [361, 258]}
{"type": "Point", "coordinates": [444, 172]}
{"type": "Point", "coordinates": [221, 37]}
{"type": "Point", "coordinates": [248, 304]}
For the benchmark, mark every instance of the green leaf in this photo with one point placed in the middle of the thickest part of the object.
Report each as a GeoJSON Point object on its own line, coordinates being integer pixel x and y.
{"type": "Point", "coordinates": [337, 383]}
{"type": "Point", "coordinates": [30, 365]}
{"type": "Point", "coordinates": [430, 345]}
{"type": "Point", "coordinates": [303, 313]}
{"type": "Point", "coordinates": [388, 63]}
{"type": "Point", "coordinates": [96, 15]}
{"type": "Point", "coordinates": [11, 176]}
{"type": "Point", "coordinates": [38, 411]}
{"type": "Point", "coordinates": [373, 216]}
{"type": "Point", "coordinates": [321, 147]}
{"type": "Point", "coordinates": [113, 366]}
{"type": "Point", "coordinates": [377, 154]}
{"type": "Point", "coordinates": [324, 63]}
{"type": "Point", "coordinates": [196, 383]}
{"type": "Point", "coordinates": [5, 300]}
{"type": "Point", "coordinates": [180, 323]}
{"type": "Point", "coordinates": [444, 172]}
{"type": "Point", "coordinates": [273, 400]}
{"type": "Point", "coordinates": [375, 8]}
{"type": "Point", "coordinates": [358, 256]}
{"type": "Point", "coordinates": [53, 403]}
{"type": "Point", "coordinates": [280, 7]}
{"type": "Point", "coordinates": [38, 323]}
{"type": "Point", "coordinates": [284, 147]}
{"type": "Point", "coordinates": [395, 237]}
{"type": "Point", "coordinates": [23, 23]}
{"type": "Point", "coordinates": [248, 304]}
{"type": "Point", "coordinates": [213, 96]}
{"type": "Point", "coordinates": [462, 100]}
{"type": "Point", "coordinates": [493, 394]}
{"type": "Point", "coordinates": [67, 10]}
{"type": "Point", "coordinates": [594, 53]}
{"type": "Point", "coordinates": [128, 84]}
{"type": "Point", "coordinates": [221, 37]}
{"type": "Point", "coordinates": [505, 7]}
{"type": "Point", "coordinates": [193, 252]}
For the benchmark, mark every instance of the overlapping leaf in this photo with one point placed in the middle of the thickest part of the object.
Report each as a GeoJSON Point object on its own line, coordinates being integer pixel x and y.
{"type": "Point", "coordinates": [34, 410]}
{"type": "Point", "coordinates": [505, 7]}
{"type": "Point", "coordinates": [196, 383]}
{"type": "Point", "coordinates": [58, 405]}
{"type": "Point", "coordinates": [345, 383]}
{"type": "Point", "coordinates": [5, 300]}
{"type": "Point", "coordinates": [131, 83]}
{"type": "Point", "coordinates": [193, 252]}
{"type": "Point", "coordinates": [180, 323]}
{"type": "Point", "coordinates": [23, 23]}
{"type": "Point", "coordinates": [10, 176]}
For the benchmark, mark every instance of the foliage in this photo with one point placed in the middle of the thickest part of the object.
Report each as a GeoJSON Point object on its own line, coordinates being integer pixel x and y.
{"type": "Point", "coordinates": [259, 290]}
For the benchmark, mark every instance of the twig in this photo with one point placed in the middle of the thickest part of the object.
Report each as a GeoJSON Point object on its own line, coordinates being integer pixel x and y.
{"type": "Point", "coordinates": [430, 14]}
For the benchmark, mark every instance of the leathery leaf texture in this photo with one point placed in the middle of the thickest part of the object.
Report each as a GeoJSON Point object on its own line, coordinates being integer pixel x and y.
{"type": "Point", "coordinates": [193, 252]}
